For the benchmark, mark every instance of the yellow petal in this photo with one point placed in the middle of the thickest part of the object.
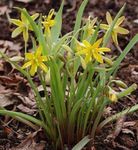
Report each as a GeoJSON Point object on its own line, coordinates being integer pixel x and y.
{"type": "Point", "coordinates": [109, 18]}
{"type": "Point", "coordinates": [104, 26]}
{"type": "Point", "coordinates": [93, 22]}
{"type": "Point", "coordinates": [98, 57]}
{"type": "Point", "coordinates": [120, 20]}
{"type": "Point", "coordinates": [43, 67]}
{"type": "Point", "coordinates": [114, 37]}
{"type": "Point", "coordinates": [35, 16]}
{"type": "Point", "coordinates": [25, 34]}
{"type": "Point", "coordinates": [97, 43]}
{"type": "Point", "coordinates": [51, 13]}
{"type": "Point", "coordinates": [33, 69]}
{"type": "Point", "coordinates": [121, 30]}
{"type": "Point", "coordinates": [113, 97]}
{"type": "Point", "coordinates": [104, 49]}
{"type": "Point", "coordinates": [16, 22]}
{"type": "Point", "coordinates": [16, 32]}
{"type": "Point", "coordinates": [51, 23]}
{"type": "Point", "coordinates": [27, 64]}
{"type": "Point", "coordinates": [43, 58]}
{"type": "Point", "coordinates": [86, 43]}
{"type": "Point", "coordinates": [29, 56]}
{"type": "Point", "coordinates": [38, 51]}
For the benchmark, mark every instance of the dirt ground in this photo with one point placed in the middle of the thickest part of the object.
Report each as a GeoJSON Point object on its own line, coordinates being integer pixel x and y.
{"type": "Point", "coordinates": [14, 135]}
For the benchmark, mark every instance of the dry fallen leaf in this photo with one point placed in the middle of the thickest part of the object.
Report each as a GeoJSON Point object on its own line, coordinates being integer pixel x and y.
{"type": "Point", "coordinates": [26, 109]}
{"type": "Point", "coordinates": [6, 100]}
{"type": "Point", "coordinates": [30, 144]}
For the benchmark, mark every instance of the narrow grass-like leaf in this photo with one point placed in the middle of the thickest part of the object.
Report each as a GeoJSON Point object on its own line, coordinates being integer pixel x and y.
{"type": "Point", "coordinates": [57, 91]}
{"type": "Point", "coordinates": [22, 115]}
{"type": "Point", "coordinates": [56, 29]}
{"type": "Point", "coordinates": [82, 143]}
{"type": "Point", "coordinates": [78, 20]}
{"type": "Point", "coordinates": [123, 54]}
{"type": "Point", "coordinates": [118, 115]}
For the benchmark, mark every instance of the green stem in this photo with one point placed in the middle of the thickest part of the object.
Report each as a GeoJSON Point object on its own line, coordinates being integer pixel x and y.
{"type": "Point", "coordinates": [118, 115]}
{"type": "Point", "coordinates": [127, 91]}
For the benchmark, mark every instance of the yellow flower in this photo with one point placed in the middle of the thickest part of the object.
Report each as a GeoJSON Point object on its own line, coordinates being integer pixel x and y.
{"type": "Point", "coordinates": [35, 60]}
{"type": "Point", "coordinates": [117, 29]}
{"type": "Point", "coordinates": [92, 51]}
{"type": "Point", "coordinates": [22, 26]}
{"type": "Point", "coordinates": [48, 21]}
{"type": "Point", "coordinates": [112, 95]}
{"type": "Point", "coordinates": [90, 27]}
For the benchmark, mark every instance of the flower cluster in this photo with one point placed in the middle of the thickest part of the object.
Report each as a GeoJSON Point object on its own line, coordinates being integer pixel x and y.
{"type": "Point", "coordinates": [86, 50]}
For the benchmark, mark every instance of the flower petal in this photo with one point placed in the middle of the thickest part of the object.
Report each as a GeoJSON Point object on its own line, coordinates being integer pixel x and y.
{"type": "Point", "coordinates": [104, 49]}
{"type": "Point", "coordinates": [104, 26]}
{"type": "Point", "coordinates": [121, 30]}
{"type": "Point", "coordinates": [51, 23]}
{"type": "Point", "coordinates": [114, 37]}
{"type": "Point", "coordinates": [97, 43]}
{"type": "Point", "coordinates": [86, 43]}
{"type": "Point", "coordinates": [33, 69]}
{"type": "Point", "coordinates": [38, 51]}
{"type": "Point", "coordinates": [51, 13]}
{"type": "Point", "coordinates": [29, 56]}
{"type": "Point", "coordinates": [98, 57]}
{"type": "Point", "coordinates": [43, 58]}
{"type": "Point", "coordinates": [109, 18]}
{"type": "Point", "coordinates": [27, 64]}
{"type": "Point", "coordinates": [120, 20]}
{"type": "Point", "coordinates": [92, 23]}
{"type": "Point", "coordinates": [35, 16]}
{"type": "Point", "coordinates": [17, 22]}
{"type": "Point", "coordinates": [43, 67]}
{"type": "Point", "coordinates": [16, 32]}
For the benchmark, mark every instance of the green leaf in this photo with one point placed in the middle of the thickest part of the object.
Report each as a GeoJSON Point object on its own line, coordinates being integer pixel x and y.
{"type": "Point", "coordinates": [118, 115]}
{"type": "Point", "coordinates": [57, 91]}
{"type": "Point", "coordinates": [78, 21]}
{"type": "Point", "coordinates": [123, 54]}
{"type": "Point", "coordinates": [82, 143]}
{"type": "Point", "coordinates": [24, 116]}
{"type": "Point", "coordinates": [56, 29]}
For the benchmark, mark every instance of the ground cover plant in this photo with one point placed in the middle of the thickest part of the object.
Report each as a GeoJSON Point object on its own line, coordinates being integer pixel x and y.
{"type": "Point", "coordinates": [81, 76]}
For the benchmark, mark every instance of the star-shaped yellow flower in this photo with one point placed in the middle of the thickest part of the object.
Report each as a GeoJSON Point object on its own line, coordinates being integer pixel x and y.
{"type": "Point", "coordinates": [48, 21]}
{"type": "Point", "coordinates": [92, 51]}
{"type": "Point", "coordinates": [117, 29]}
{"type": "Point", "coordinates": [35, 60]}
{"type": "Point", "coordinates": [23, 26]}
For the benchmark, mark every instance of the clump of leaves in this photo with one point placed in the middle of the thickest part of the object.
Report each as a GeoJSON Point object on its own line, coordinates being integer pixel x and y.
{"type": "Point", "coordinates": [78, 71]}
